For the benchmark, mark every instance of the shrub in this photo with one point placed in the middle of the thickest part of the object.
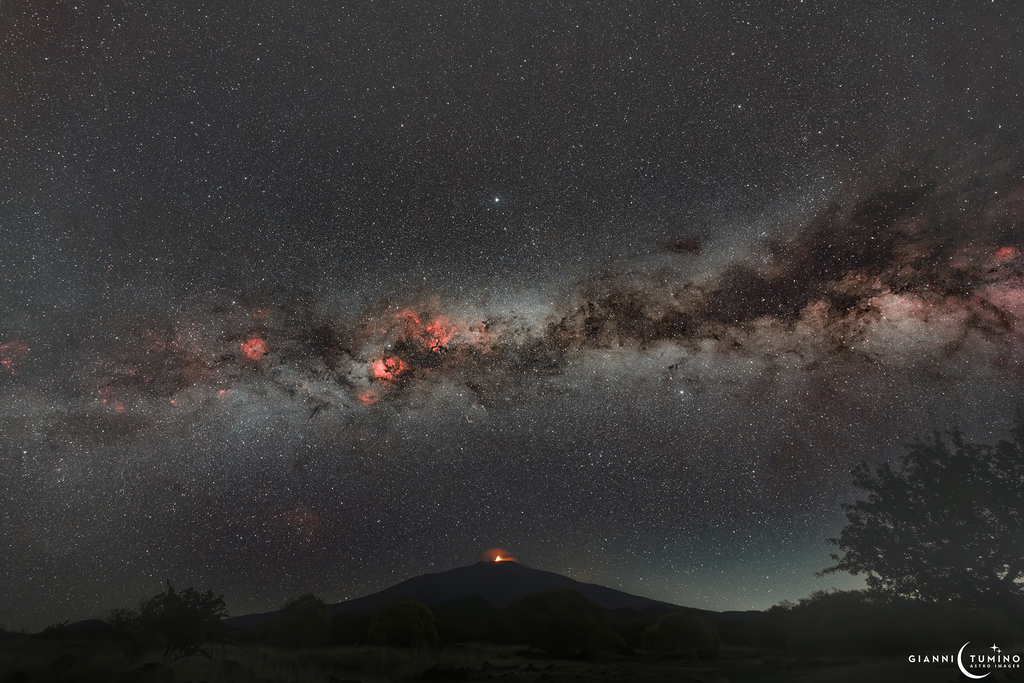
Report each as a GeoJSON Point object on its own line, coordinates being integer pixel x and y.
{"type": "Point", "coordinates": [563, 622]}
{"type": "Point", "coordinates": [304, 622]}
{"type": "Point", "coordinates": [681, 632]}
{"type": "Point", "coordinates": [183, 619]}
{"type": "Point", "coordinates": [349, 629]}
{"type": "Point", "coordinates": [865, 622]}
{"type": "Point", "coordinates": [56, 631]}
{"type": "Point", "coordinates": [403, 623]}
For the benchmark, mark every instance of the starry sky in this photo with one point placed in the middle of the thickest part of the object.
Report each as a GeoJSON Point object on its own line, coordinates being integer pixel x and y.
{"type": "Point", "coordinates": [318, 296]}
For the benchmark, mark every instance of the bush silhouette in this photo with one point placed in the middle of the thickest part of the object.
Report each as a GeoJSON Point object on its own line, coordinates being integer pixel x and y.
{"type": "Point", "coordinates": [403, 623]}
{"type": "Point", "coordinates": [563, 622]}
{"type": "Point", "coordinates": [863, 622]}
{"type": "Point", "coordinates": [754, 629]}
{"type": "Point", "coordinates": [681, 632]}
{"type": "Point", "coordinates": [304, 622]}
{"type": "Point", "coordinates": [464, 619]}
{"type": "Point", "coordinates": [184, 619]}
{"type": "Point", "coordinates": [844, 622]}
{"type": "Point", "coordinates": [122, 618]}
{"type": "Point", "coordinates": [349, 629]}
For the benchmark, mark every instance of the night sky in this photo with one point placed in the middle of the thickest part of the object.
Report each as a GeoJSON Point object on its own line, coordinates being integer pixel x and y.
{"type": "Point", "coordinates": [316, 297]}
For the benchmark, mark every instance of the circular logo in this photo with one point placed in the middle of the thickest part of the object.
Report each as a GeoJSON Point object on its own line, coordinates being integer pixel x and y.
{"type": "Point", "coordinates": [960, 663]}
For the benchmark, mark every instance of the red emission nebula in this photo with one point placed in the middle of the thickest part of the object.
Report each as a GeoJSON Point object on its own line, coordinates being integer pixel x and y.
{"type": "Point", "coordinates": [254, 349]}
{"type": "Point", "coordinates": [433, 336]}
{"type": "Point", "coordinates": [388, 368]}
{"type": "Point", "coordinates": [12, 353]}
{"type": "Point", "coordinates": [414, 337]}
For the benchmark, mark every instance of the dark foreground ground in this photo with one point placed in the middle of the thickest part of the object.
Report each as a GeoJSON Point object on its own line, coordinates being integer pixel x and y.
{"type": "Point", "coordinates": [29, 661]}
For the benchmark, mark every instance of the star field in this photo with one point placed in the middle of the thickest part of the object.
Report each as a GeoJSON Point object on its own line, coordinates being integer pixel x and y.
{"type": "Point", "coordinates": [302, 297]}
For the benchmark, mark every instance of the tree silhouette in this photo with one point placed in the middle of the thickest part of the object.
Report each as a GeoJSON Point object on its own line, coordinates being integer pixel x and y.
{"type": "Point", "coordinates": [679, 632]}
{"type": "Point", "coordinates": [563, 621]}
{"type": "Point", "coordinates": [946, 527]}
{"type": "Point", "coordinates": [304, 622]}
{"type": "Point", "coordinates": [403, 623]}
{"type": "Point", "coordinates": [186, 619]}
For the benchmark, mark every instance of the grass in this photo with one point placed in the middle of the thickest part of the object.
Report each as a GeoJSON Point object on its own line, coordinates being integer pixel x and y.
{"type": "Point", "coordinates": [104, 660]}
{"type": "Point", "coordinates": [84, 661]}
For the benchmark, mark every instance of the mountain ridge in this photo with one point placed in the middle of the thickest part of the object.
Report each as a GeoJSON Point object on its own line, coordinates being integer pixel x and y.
{"type": "Point", "coordinates": [499, 583]}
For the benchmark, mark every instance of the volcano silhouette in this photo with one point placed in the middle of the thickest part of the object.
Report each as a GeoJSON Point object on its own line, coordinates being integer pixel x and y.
{"type": "Point", "coordinates": [499, 583]}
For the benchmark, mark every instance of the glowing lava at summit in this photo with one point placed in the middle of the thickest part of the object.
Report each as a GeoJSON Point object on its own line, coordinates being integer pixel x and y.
{"type": "Point", "coordinates": [498, 555]}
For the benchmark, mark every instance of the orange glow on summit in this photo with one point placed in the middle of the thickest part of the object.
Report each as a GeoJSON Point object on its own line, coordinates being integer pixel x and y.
{"type": "Point", "coordinates": [498, 555]}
